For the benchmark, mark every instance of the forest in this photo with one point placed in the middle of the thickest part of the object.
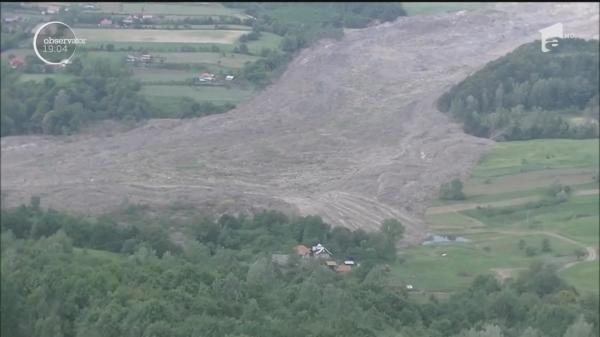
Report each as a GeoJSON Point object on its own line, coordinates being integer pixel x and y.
{"type": "Point", "coordinates": [102, 89]}
{"type": "Point", "coordinates": [528, 94]}
{"type": "Point", "coordinates": [72, 275]}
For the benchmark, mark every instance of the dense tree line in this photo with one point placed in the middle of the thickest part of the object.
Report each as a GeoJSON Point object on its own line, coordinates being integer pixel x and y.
{"type": "Point", "coordinates": [100, 91]}
{"type": "Point", "coordinates": [298, 35]}
{"type": "Point", "coordinates": [528, 94]}
{"type": "Point", "coordinates": [60, 278]}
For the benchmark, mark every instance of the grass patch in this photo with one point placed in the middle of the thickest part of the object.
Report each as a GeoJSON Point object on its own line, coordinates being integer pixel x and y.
{"type": "Point", "coordinates": [159, 75]}
{"type": "Point", "coordinates": [584, 277]}
{"type": "Point", "coordinates": [576, 218]}
{"type": "Point", "coordinates": [188, 9]}
{"type": "Point", "coordinates": [421, 8]}
{"type": "Point", "coordinates": [60, 78]}
{"type": "Point", "coordinates": [427, 269]}
{"type": "Point", "coordinates": [509, 158]}
{"type": "Point", "coordinates": [230, 60]}
{"type": "Point", "coordinates": [109, 35]}
{"type": "Point", "coordinates": [214, 94]}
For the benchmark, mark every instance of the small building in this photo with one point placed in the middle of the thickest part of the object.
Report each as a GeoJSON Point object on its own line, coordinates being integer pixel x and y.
{"type": "Point", "coordinates": [146, 17]}
{"type": "Point", "coordinates": [206, 77]}
{"type": "Point", "coordinates": [146, 58]}
{"type": "Point", "coordinates": [302, 251]}
{"type": "Point", "coordinates": [331, 264]}
{"type": "Point", "coordinates": [350, 263]}
{"type": "Point", "coordinates": [12, 19]}
{"type": "Point", "coordinates": [128, 20]}
{"type": "Point", "coordinates": [89, 6]}
{"type": "Point", "coordinates": [105, 23]}
{"type": "Point", "coordinates": [16, 62]}
{"type": "Point", "coordinates": [319, 251]}
{"type": "Point", "coordinates": [52, 10]}
{"type": "Point", "coordinates": [409, 287]}
{"type": "Point", "coordinates": [229, 78]}
{"type": "Point", "coordinates": [343, 269]}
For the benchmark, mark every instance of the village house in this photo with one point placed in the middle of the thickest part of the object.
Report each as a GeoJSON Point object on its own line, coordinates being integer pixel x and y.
{"type": "Point", "coordinates": [302, 251]}
{"type": "Point", "coordinates": [128, 20]}
{"type": "Point", "coordinates": [16, 62]}
{"type": "Point", "coordinates": [229, 78]}
{"type": "Point", "coordinates": [331, 264]}
{"type": "Point", "coordinates": [51, 10]}
{"type": "Point", "coordinates": [206, 77]}
{"type": "Point", "coordinates": [12, 19]}
{"type": "Point", "coordinates": [105, 23]}
{"type": "Point", "coordinates": [319, 251]}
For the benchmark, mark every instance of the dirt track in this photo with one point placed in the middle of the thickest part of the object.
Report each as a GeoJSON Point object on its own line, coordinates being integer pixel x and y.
{"type": "Point", "coordinates": [501, 203]}
{"type": "Point", "coordinates": [349, 132]}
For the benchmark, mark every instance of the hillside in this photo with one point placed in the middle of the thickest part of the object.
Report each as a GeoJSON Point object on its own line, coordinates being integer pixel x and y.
{"type": "Point", "coordinates": [528, 94]}
{"type": "Point", "coordinates": [349, 132]}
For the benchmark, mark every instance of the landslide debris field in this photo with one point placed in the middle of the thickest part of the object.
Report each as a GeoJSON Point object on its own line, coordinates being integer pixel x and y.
{"type": "Point", "coordinates": [349, 132]}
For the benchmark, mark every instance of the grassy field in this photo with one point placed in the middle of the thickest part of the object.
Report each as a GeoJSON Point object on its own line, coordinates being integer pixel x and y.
{"type": "Point", "coordinates": [427, 269]}
{"type": "Point", "coordinates": [59, 78]}
{"type": "Point", "coordinates": [22, 52]}
{"type": "Point", "coordinates": [109, 35]}
{"type": "Point", "coordinates": [230, 60]}
{"type": "Point", "coordinates": [583, 276]}
{"type": "Point", "coordinates": [198, 93]}
{"type": "Point", "coordinates": [513, 171]}
{"type": "Point", "coordinates": [421, 8]}
{"type": "Point", "coordinates": [188, 9]}
{"type": "Point", "coordinates": [160, 75]}
{"type": "Point", "coordinates": [509, 158]}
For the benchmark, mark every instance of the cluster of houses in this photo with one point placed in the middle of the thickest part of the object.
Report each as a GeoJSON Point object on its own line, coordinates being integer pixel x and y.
{"type": "Point", "coordinates": [321, 253]}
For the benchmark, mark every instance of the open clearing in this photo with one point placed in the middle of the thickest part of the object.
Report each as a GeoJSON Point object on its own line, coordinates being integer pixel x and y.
{"type": "Point", "coordinates": [229, 60]}
{"type": "Point", "coordinates": [188, 9]}
{"type": "Point", "coordinates": [109, 35]}
{"type": "Point", "coordinates": [419, 8]}
{"type": "Point", "coordinates": [215, 94]}
{"type": "Point", "coordinates": [160, 75]}
{"type": "Point", "coordinates": [508, 214]}
{"type": "Point", "coordinates": [349, 132]}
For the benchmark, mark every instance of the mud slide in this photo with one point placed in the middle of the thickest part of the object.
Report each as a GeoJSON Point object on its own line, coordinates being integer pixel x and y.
{"type": "Point", "coordinates": [349, 132]}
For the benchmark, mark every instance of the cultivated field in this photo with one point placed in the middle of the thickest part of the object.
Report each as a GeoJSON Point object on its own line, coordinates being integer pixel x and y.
{"type": "Point", "coordinates": [216, 94]}
{"type": "Point", "coordinates": [187, 9]}
{"type": "Point", "coordinates": [422, 8]}
{"type": "Point", "coordinates": [501, 209]}
{"type": "Point", "coordinates": [230, 60]}
{"type": "Point", "coordinates": [109, 35]}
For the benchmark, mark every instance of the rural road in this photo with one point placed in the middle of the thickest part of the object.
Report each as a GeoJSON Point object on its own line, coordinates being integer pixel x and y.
{"type": "Point", "coordinates": [349, 132]}
{"type": "Point", "coordinates": [502, 203]}
{"type": "Point", "coordinates": [591, 251]}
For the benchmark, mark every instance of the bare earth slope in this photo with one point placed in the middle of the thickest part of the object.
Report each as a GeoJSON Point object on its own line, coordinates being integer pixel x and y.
{"type": "Point", "coordinates": [349, 132]}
